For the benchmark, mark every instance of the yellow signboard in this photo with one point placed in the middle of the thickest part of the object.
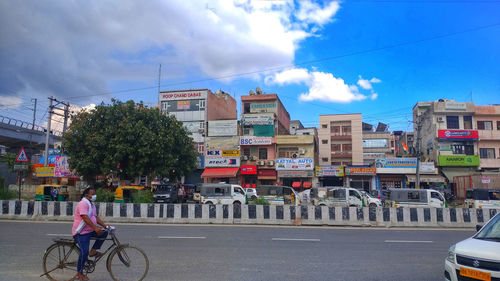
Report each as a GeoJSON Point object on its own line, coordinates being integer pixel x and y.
{"type": "Point", "coordinates": [231, 153]}
{"type": "Point", "coordinates": [43, 172]}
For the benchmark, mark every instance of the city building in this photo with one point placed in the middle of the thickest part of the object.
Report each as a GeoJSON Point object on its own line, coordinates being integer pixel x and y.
{"type": "Point", "coordinates": [377, 143]}
{"type": "Point", "coordinates": [195, 108]}
{"type": "Point", "coordinates": [296, 160]}
{"type": "Point", "coordinates": [488, 125]}
{"type": "Point", "coordinates": [404, 144]}
{"type": "Point", "coordinates": [294, 125]}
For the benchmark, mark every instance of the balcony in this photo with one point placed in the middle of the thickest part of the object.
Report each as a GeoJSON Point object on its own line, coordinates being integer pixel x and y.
{"type": "Point", "coordinates": [489, 135]}
{"type": "Point", "coordinates": [341, 136]}
{"type": "Point", "coordinates": [341, 154]}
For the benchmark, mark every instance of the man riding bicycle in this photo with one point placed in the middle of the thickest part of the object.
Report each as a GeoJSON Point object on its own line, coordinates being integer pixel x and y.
{"type": "Point", "coordinates": [85, 227]}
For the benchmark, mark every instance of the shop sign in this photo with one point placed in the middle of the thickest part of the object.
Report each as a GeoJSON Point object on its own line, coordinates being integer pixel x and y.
{"type": "Point", "coordinates": [222, 161]}
{"type": "Point", "coordinates": [222, 128]}
{"type": "Point", "coordinates": [183, 95]}
{"type": "Point", "coordinates": [256, 140]}
{"type": "Point", "coordinates": [253, 119]}
{"type": "Point", "coordinates": [248, 169]}
{"type": "Point", "coordinates": [360, 171]}
{"type": "Point", "coordinates": [295, 174]}
{"type": "Point", "coordinates": [220, 143]}
{"type": "Point", "coordinates": [294, 164]}
{"type": "Point", "coordinates": [216, 153]}
{"type": "Point", "coordinates": [427, 167]}
{"type": "Point", "coordinates": [201, 162]}
{"type": "Point", "coordinates": [44, 172]}
{"type": "Point", "coordinates": [256, 107]}
{"type": "Point", "coordinates": [458, 135]}
{"type": "Point", "coordinates": [61, 169]}
{"type": "Point", "coordinates": [458, 160]}
{"type": "Point", "coordinates": [449, 105]}
{"type": "Point", "coordinates": [396, 162]}
{"type": "Point", "coordinates": [334, 171]}
{"type": "Point", "coordinates": [485, 180]}
{"type": "Point", "coordinates": [231, 153]}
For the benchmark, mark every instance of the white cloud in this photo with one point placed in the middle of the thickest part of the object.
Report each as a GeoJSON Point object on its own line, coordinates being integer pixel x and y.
{"type": "Point", "coordinates": [367, 84]}
{"type": "Point", "coordinates": [76, 48]}
{"type": "Point", "coordinates": [374, 96]}
{"type": "Point", "coordinates": [375, 80]}
{"type": "Point", "coordinates": [322, 86]}
{"type": "Point", "coordinates": [10, 102]}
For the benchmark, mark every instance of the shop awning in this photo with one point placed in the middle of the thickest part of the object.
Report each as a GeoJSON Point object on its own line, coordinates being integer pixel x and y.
{"type": "Point", "coordinates": [450, 173]}
{"type": "Point", "coordinates": [296, 184]}
{"type": "Point", "coordinates": [426, 178]}
{"type": "Point", "coordinates": [220, 172]}
{"type": "Point", "coordinates": [307, 184]}
{"type": "Point", "coordinates": [268, 174]}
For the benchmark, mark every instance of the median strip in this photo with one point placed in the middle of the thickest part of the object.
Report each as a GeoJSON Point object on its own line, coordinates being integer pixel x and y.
{"type": "Point", "coordinates": [181, 237]}
{"type": "Point", "coordinates": [406, 241]}
{"type": "Point", "coordinates": [295, 239]}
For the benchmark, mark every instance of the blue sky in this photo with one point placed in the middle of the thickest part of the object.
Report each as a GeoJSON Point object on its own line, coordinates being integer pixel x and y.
{"type": "Point", "coordinates": [319, 57]}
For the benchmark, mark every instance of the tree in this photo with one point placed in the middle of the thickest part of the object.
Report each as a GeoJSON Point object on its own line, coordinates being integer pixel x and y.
{"type": "Point", "coordinates": [129, 140]}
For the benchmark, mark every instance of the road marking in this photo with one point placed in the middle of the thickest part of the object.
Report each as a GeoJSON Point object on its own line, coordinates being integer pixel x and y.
{"type": "Point", "coordinates": [406, 241]}
{"type": "Point", "coordinates": [181, 237]}
{"type": "Point", "coordinates": [295, 239]}
{"type": "Point", "coordinates": [55, 234]}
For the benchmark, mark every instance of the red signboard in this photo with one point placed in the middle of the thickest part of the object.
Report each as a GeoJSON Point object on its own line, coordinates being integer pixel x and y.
{"type": "Point", "coordinates": [458, 134]}
{"type": "Point", "coordinates": [360, 171]}
{"type": "Point", "coordinates": [248, 170]}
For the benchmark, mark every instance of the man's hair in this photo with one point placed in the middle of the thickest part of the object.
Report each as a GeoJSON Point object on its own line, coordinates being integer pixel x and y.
{"type": "Point", "coordinates": [87, 190]}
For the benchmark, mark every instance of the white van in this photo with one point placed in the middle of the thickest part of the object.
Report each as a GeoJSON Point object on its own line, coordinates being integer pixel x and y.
{"type": "Point", "coordinates": [336, 196]}
{"type": "Point", "coordinates": [410, 197]}
{"type": "Point", "coordinates": [482, 198]}
{"type": "Point", "coordinates": [222, 193]}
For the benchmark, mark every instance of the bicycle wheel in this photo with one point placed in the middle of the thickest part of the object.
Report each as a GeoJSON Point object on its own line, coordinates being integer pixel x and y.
{"type": "Point", "coordinates": [60, 261]}
{"type": "Point", "coordinates": [128, 263]}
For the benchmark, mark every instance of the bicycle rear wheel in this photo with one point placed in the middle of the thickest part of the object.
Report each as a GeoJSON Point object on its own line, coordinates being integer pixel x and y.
{"type": "Point", "coordinates": [60, 261]}
{"type": "Point", "coordinates": [128, 263]}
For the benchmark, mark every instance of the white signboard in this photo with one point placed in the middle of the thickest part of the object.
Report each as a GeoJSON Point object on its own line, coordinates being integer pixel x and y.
{"type": "Point", "coordinates": [183, 95]}
{"type": "Point", "coordinates": [222, 128]}
{"type": "Point", "coordinates": [257, 119]}
{"type": "Point", "coordinates": [294, 164]}
{"type": "Point", "coordinates": [450, 105]}
{"type": "Point", "coordinates": [427, 167]}
{"type": "Point", "coordinates": [222, 161]}
{"type": "Point", "coordinates": [218, 143]}
{"type": "Point", "coordinates": [256, 140]}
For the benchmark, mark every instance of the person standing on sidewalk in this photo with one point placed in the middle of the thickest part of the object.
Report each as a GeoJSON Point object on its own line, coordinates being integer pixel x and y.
{"type": "Point", "coordinates": [85, 226]}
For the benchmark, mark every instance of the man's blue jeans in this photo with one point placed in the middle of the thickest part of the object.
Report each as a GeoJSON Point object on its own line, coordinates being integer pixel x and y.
{"type": "Point", "coordinates": [84, 244]}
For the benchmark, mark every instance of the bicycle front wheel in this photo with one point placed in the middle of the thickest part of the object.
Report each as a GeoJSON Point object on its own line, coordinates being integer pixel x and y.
{"type": "Point", "coordinates": [60, 261]}
{"type": "Point", "coordinates": [128, 263]}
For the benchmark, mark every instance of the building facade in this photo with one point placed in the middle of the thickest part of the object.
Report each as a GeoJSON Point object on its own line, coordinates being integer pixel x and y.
{"type": "Point", "coordinates": [295, 160]}
{"type": "Point", "coordinates": [487, 119]}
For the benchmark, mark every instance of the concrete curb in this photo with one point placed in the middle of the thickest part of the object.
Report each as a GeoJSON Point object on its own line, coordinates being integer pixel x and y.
{"type": "Point", "coordinates": [253, 214]}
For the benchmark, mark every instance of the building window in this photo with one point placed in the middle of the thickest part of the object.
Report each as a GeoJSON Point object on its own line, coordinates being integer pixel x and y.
{"type": "Point", "coordinates": [467, 149]}
{"type": "Point", "coordinates": [324, 159]}
{"type": "Point", "coordinates": [324, 141]}
{"type": "Point", "coordinates": [246, 108]}
{"type": "Point", "coordinates": [202, 104]}
{"type": "Point", "coordinates": [335, 129]}
{"type": "Point", "coordinates": [287, 152]}
{"type": "Point", "coordinates": [324, 126]}
{"type": "Point", "coordinates": [452, 122]}
{"type": "Point", "coordinates": [246, 131]}
{"type": "Point", "coordinates": [484, 125]}
{"type": "Point", "coordinates": [246, 152]}
{"type": "Point", "coordinates": [347, 147]}
{"type": "Point", "coordinates": [375, 143]}
{"type": "Point", "coordinates": [201, 148]}
{"type": "Point", "coordinates": [346, 129]}
{"type": "Point", "coordinates": [336, 163]}
{"type": "Point", "coordinates": [468, 122]}
{"type": "Point", "coordinates": [487, 153]}
{"type": "Point", "coordinates": [263, 153]}
{"type": "Point", "coordinates": [498, 125]}
{"type": "Point", "coordinates": [335, 147]}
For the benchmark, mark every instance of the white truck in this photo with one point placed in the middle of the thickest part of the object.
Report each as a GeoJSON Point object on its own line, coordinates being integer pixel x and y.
{"type": "Point", "coordinates": [222, 193]}
{"type": "Point", "coordinates": [342, 196]}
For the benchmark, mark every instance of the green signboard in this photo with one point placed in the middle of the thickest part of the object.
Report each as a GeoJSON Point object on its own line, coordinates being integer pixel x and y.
{"type": "Point", "coordinates": [263, 131]}
{"type": "Point", "coordinates": [458, 160]}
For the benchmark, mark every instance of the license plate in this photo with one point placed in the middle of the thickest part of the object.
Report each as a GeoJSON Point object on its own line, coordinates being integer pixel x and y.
{"type": "Point", "coordinates": [476, 274]}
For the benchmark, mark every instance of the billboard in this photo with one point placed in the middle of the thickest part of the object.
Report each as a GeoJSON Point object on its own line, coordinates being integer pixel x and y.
{"type": "Point", "coordinates": [257, 119]}
{"type": "Point", "coordinates": [44, 172]}
{"type": "Point", "coordinates": [294, 164]}
{"type": "Point", "coordinates": [250, 140]}
{"type": "Point", "coordinates": [333, 171]}
{"type": "Point", "coordinates": [362, 171]}
{"type": "Point", "coordinates": [221, 143]}
{"type": "Point", "coordinates": [469, 135]}
{"type": "Point", "coordinates": [222, 128]}
{"type": "Point", "coordinates": [222, 161]}
{"type": "Point", "coordinates": [396, 162]}
{"type": "Point", "coordinates": [458, 160]}
{"type": "Point", "coordinates": [61, 169]}
{"type": "Point", "coordinates": [183, 95]}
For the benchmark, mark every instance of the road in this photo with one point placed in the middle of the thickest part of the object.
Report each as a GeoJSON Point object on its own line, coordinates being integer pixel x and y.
{"type": "Point", "coordinates": [212, 252]}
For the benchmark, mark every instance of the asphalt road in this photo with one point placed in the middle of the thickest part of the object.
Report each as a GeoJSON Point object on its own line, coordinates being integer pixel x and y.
{"type": "Point", "coordinates": [209, 252]}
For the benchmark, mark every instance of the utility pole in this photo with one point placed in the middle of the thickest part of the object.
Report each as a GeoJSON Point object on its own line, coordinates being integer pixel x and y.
{"type": "Point", "coordinates": [65, 124]}
{"type": "Point", "coordinates": [51, 111]}
{"type": "Point", "coordinates": [34, 114]}
{"type": "Point", "coordinates": [419, 139]}
{"type": "Point", "coordinates": [159, 80]}
{"type": "Point", "coordinates": [46, 153]}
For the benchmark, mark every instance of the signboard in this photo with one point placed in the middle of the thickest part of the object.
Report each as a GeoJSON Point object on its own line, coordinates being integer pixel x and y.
{"type": "Point", "coordinates": [248, 170]}
{"type": "Point", "coordinates": [485, 180]}
{"type": "Point", "coordinates": [295, 174]}
{"type": "Point", "coordinates": [427, 167]}
{"type": "Point", "coordinates": [334, 171]}
{"type": "Point", "coordinates": [470, 135]}
{"type": "Point", "coordinates": [263, 107]}
{"type": "Point", "coordinates": [219, 143]}
{"type": "Point", "coordinates": [222, 128]}
{"type": "Point", "coordinates": [257, 119]}
{"type": "Point", "coordinates": [360, 171]}
{"type": "Point", "coordinates": [186, 95]}
{"type": "Point", "coordinates": [44, 172]}
{"type": "Point", "coordinates": [18, 167]}
{"type": "Point", "coordinates": [256, 140]}
{"type": "Point", "coordinates": [183, 104]}
{"type": "Point", "coordinates": [231, 153]}
{"type": "Point", "coordinates": [294, 164]}
{"type": "Point", "coordinates": [396, 162]}
{"type": "Point", "coordinates": [210, 152]}
{"type": "Point", "coordinates": [458, 160]}
{"type": "Point", "coordinates": [450, 105]}
{"type": "Point", "coordinates": [61, 169]}
{"type": "Point", "coordinates": [222, 161]}
{"type": "Point", "coordinates": [200, 164]}
{"type": "Point", "coordinates": [22, 157]}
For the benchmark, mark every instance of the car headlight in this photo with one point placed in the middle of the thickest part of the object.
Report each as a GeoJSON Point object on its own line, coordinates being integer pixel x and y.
{"type": "Point", "coordinates": [451, 254]}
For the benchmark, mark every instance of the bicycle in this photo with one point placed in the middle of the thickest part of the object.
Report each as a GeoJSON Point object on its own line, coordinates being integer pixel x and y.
{"type": "Point", "coordinates": [124, 262]}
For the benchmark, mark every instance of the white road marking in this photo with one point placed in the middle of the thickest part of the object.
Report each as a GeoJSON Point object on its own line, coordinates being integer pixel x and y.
{"type": "Point", "coordinates": [55, 234]}
{"type": "Point", "coordinates": [296, 239]}
{"type": "Point", "coordinates": [181, 237]}
{"type": "Point", "coordinates": [407, 241]}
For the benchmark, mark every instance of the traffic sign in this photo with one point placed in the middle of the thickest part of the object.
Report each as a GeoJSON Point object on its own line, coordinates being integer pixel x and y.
{"type": "Point", "coordinates": [20, 167]}
{"type": "Point", "coordinates": [22, 157]}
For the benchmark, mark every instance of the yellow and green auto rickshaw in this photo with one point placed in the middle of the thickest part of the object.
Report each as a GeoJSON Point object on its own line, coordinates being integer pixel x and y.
{"type": "Point", "coordinates": [125, 194]}
{"type": "Point", "coordinates": [45, 192]}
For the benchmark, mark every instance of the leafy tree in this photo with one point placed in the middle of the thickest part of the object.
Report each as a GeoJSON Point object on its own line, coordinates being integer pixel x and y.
{"type": "Point", "coordinates": [10, 159]}
{"type": "Point", "coordinates": [128, 140]}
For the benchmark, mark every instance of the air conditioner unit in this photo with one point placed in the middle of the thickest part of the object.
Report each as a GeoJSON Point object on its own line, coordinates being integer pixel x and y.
{"type": "Point", "coordinates": [260, 163]}
{"type": "Point", "coordinates": [440, 119]}
{"type": "Point", "coordinates": [270, 163]}
{"type": "Point", "coordinates": [244, 157]}
{"type": "Point", "coordinates": [302, 151]}
{"type": "Point", "coordinates": [254, 158]}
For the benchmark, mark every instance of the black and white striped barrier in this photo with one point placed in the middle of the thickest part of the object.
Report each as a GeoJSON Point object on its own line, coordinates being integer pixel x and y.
{"type": "Point", "coordinates": [253, 214]}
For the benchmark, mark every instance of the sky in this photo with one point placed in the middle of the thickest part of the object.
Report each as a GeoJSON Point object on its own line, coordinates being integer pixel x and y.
{"type": "Point", "coordinates": [374, 57]}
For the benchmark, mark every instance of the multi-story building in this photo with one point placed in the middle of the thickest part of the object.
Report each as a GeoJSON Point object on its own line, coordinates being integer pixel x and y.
{"type": "Point", "coordinates": [294, 125]}
{"type": "Point", "coordinates": [377, 143]}
{"type": "Point", "coordinates": [263, 118]}
{"type": "Point", "coordinates": [488, 125]}
{"type": "Point", "coordinates": [404, 144]}
{"type": "Point", "coordinates": [447, 136]}
{"type": "Point", "coordinates": [194, 108]}
{"type": "Point", "coordinates": [296, 160]}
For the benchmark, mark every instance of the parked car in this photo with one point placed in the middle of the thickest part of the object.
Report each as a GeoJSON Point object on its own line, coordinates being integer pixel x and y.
{"type": "Point", "coordinates": [410, 197]}
{"type": "Point", "coordinates": [222, 193]}
{"type": "Point", "coordinates": [370, 200]}
{"type": "Point", "coordinates": [278, 194]}
{"type": "Point", "coordinates": [166, 193]}
{"type": "Point", "coordinates": [478, 257]}
{"type": "Point", "coordinates": [336, 196]}
{"type": "Point", "coordinates": [251, 193]}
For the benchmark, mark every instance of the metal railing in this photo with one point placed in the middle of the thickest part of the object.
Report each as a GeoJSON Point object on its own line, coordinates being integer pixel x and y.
{"type": "Point", "coordinates": [25, 125]}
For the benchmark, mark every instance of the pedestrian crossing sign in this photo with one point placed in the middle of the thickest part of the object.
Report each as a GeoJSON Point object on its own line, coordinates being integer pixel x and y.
{"type": "Point", "coordinates": [22, 157]}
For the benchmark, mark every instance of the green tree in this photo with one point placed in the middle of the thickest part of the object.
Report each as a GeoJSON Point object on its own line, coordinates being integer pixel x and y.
{"type": "Point", "coordinates": [129, 140]}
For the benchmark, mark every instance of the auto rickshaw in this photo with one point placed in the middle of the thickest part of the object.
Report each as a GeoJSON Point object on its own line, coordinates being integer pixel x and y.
{"type": "Point", "coordinates": [125, 194]}
{"type": "Point", "coordinates": [44, 192]}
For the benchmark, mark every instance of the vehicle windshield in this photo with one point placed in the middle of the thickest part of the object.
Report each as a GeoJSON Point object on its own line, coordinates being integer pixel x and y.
{"type": "Point", "coordinates": [163, 189]}
{"type": "Point", "coordinates": [368, 194]}
{"type": "Point", "coordinates": [490, 231]}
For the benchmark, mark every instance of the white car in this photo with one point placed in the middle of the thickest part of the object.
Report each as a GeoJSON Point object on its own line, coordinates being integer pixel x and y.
{"type": "Point", "coordinates": [371, 201]}
{"type": "Point", "coordinates": [476, 258]}
{"type": "Point", "coordinates": [251, 193]}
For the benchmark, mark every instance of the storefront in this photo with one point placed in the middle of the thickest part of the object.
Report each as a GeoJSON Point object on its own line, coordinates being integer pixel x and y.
{"type": "Point", "coordinates": [362, 178]}
{"type": "Point", "coordinates": [427, 181]}
{"type": "Point", "coordinates": [390, 181]}
{"type": "Point", "coordinates": [248, 176]}
{"type": "Point", "coordinates": [295, 172]}
{"type": "Point", "coordinates": [266, 177]}
{"type": "Point", "coordinates": [216, 175]}
{"type": "Point", "coordinates": [330, 176]}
